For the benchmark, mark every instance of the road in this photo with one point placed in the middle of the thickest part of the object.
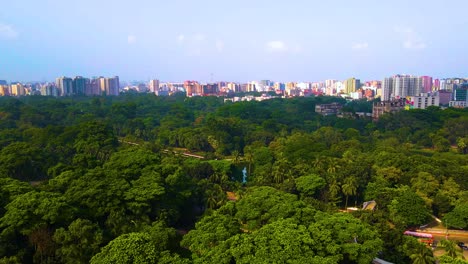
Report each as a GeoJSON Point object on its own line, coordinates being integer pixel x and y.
{"type": "Point", "coordinates": [185, 154]}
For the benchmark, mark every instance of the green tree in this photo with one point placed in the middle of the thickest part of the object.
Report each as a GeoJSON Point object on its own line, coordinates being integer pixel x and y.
{"type": "Point", "coordinates": [462, 145]}
{"type": "Point", "coordinates": [349, 188]}
{"type": "Point", "coordinates": [409, 209]}
{"type": "Point", "coordinates": [152, 246]}
{"type": "Point", "coordinates": [458, 218]}
{"type": "Point", "coordinates": [33, 210]}
{"type": "Point", "coordinates": [310, 184]}
{"type": "Point", "coordinates": [210, 231]}
{"type": "Point", "coordinates": [23, 161]}
{"type": "Point", "coordinates": [422, 255]}
{"type": "Point", "coordinates": [79, 242]}
{"type": "Point", "coordinates": [451, 248]}
{"type": "Point", "coordinates": [262, 205]}
{"type": "Point", "coordinates": [444, 259]}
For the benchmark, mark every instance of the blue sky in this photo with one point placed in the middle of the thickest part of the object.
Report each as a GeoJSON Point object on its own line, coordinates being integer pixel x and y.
{"type": "Point", "coordinates": [238, 40]}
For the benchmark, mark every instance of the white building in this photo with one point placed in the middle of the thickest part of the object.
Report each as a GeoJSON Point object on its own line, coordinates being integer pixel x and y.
{"type": "Point", "coordinates": [422, 102]}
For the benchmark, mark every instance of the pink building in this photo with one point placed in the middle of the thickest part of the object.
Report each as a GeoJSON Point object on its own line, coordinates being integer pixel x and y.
{"type": "Point", "coordinates": [437, 84]}
{"type": "Point", "coordinates": [426, 84]}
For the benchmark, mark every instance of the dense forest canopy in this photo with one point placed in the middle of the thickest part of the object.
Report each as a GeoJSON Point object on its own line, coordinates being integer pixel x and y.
{"type": "Point", "coordinates": [110, 180]}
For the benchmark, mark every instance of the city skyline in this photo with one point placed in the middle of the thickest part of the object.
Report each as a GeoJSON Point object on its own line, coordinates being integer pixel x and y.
{"type": "Point", "coordinates": [240, 41]}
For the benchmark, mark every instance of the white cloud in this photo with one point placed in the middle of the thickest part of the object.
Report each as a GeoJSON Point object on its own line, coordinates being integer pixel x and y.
{"type": "Point", "coordinates": [8, 32]}
{"type": "Point", "coordinates": [411, 39]}
{"type": "Point", "coordinates": [131, 39]}
{"type": "Point", "coordinates": [360, 46]}
{"type": "Point", "coordinates": [276, 46]}
{"type": "Point", "coordinates": [409, 44]}
{"type": "Point", "coordinates": [181, 38]}
{"type": "Point", "coordinates": [219, 44]}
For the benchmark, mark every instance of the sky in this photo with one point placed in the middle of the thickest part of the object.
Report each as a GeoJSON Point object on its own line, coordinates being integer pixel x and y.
{"type": "Point", "coordinates": [232, 40]}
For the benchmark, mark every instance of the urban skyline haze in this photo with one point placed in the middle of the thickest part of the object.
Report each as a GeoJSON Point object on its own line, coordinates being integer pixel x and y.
{"type": "Point", "coordinates": [233, 40]}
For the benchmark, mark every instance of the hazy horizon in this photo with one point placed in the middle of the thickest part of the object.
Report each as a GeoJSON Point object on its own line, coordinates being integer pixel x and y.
{"type": "Point", "coordinates": [232, 41]}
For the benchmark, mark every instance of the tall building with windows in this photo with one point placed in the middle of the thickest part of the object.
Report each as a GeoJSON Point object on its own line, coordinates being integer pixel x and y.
{"type": "Point", "coordinates": [387, 89]}
{"type": "Point", "coordinates": [400, 86]}
{"type": "Point", "coordinates": [154, 86]}
{"type": "Point", "coordinates": [352, 85]}
{"type": "Point", "coordinates": [49, 90]}
{"type": "Point", "coordinates": [421, 102]}
{"type": "Point", "coordinates": [93, 87]}
{"type": "Point", "coordinates": [79, 85]}
{"type": "Point", "coordinates": [17, 89]}
{"type": "Point", "coordinates": [65, 86]}
{"type": "Point", "coordinates": [437, 84]}
{"type": "Point", "coordinates": [109, 86]}
{"type": "Point", "coordinates": [4, 90]}
{"type": "Point", "coordinates": [426, 84]}
{"type": "Point", "coordinates": [113, 85]}
{"type": "Point", "coordinates": [192, 88]}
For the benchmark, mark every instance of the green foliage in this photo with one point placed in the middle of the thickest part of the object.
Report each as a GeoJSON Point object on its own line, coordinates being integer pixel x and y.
{"type": "Point", "coordinates": [409, 209]}
{"type": "Point", "coordinates": [23, 161]}
{"type": "Point", "coordinates": [445, 259]}
{"type": "Point", "coordinates": [263, 205]}
{"type": "Point", "coordinates": [82, 175]}
{"type": "Point", "coordinates": [310, 184]}
{"type": "Point", "coordinates": [34, 209]}
{"type": "Point", "coordinates": [457, 218]}
{"type": "Point", "coordinates": [79, 242]}
{"type": "Point", "coordinates": [422, 255]}
{"type": "Point", "coordinates": [209, 232]}
{"type": "Point", "coordinates": [152, 246]}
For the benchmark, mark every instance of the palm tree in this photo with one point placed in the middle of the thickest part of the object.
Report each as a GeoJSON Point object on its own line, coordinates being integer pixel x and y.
{"type": "Point", "coordinates": [236, 155]}
{"type": "Point", "coordinates": [248, 153]}
{"type": "Point", "coordinates": [349, 188]}
{"type": "Point", "coordinates": [450, 247]}
{"type": "Point", "coordinates": [422, 255]}
{"type": "Point", "coordinates": [333, 165]}
{"type": "Point", "coordinates": [333, 190]}
{"type": "Point", "coordinates": [280, 170]}
{"type": "Point", "coordinates": [318, 163]}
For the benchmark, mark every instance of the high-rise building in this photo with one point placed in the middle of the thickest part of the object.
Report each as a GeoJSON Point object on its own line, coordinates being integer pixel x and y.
{"type": "Point", "coordinates": [65, 86]}
{"type": "Point", "coordinates": [352, 85]}
{"type": "Point", "coordinates": [235, 87]}
{"type": "Point", "coordinates": [265, 83]}
{"type": "Point", "coordinates": [192, 88]}
{"type": "Point", "coordinates": [49, 90]}
{"type": "Point", "coordinates": [79, 85]}
{"type": "Point", "coordinates": [461, 94]}
{"type": "Point", "coordinates": [4, 90]}
{"type": "Point", "coordinates": [154, 85]}
{"type": "Point", "coordinates": [251, 87]}
{"type": "Point", "coordinates": [437, 84]}
{"type": "Point", "coordinates": [109, 86]}
{"type": "Point", "coordinates": [93, 87]}
{"type": "Point", "coordinates": [3, 82]}
{"type": "Point", "coordinates": [17, 89]}
{"type": "Point", "coordinates": [387, 89]}
{"type": "Point", "coordinates": [426, 84]}
{"type": "Point", "coordinates": [400, 86]}
{"type": "Point", "coordinates": [407, 86]}
{"type": "Point", "coordinates": [103, 88]}
{"type": "Point", "coordinates": [113, 86]}
{"type": "Point", "coordinates": [209, 89]}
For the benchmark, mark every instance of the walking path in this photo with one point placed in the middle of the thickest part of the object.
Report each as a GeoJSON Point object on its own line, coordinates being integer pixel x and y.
{"type": "Point", "coordinates": [185, 154]}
